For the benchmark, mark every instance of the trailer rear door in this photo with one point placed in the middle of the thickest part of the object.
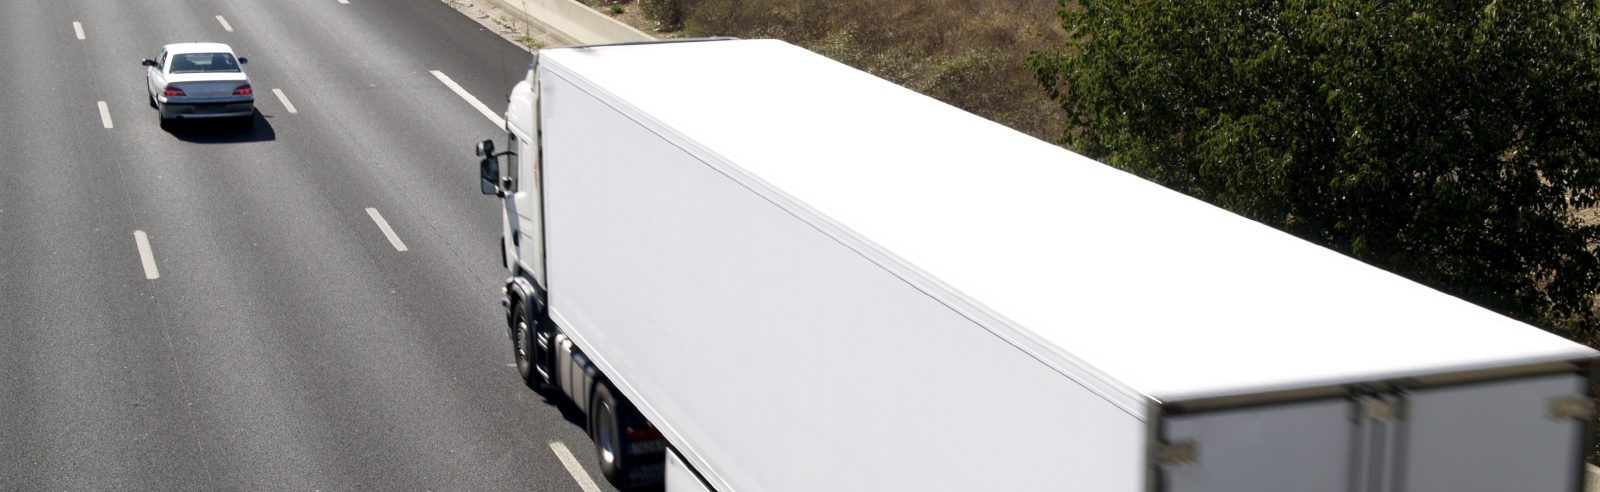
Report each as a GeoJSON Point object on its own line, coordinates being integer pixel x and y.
{"type": "Point", "coordinates": [1522, 434]}
{"type": "Point", "coordinates": [1517, 434]}
{"type": "Point", "coordinates": [1303, 446]}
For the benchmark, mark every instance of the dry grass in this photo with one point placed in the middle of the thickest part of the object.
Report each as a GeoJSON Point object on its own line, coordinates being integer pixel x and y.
{"type": "Point", "coordinates": [968, 53]}
{"type": "Point", "coordinates": [631, 14]}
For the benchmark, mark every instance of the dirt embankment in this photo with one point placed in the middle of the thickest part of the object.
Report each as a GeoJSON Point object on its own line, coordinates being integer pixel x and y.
{"type": "Point", "coordinates": [968, 53]}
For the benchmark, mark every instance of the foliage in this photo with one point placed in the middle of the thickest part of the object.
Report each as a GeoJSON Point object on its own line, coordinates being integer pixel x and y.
{"type": "Point", "coordinates": [667, 13]}
{"type": "Point", "coordinates": [1452, 142]}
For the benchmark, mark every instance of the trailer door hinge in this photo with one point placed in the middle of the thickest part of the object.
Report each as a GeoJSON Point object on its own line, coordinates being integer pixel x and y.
{"type": "Point", "coordinates": [1380, 410]}
{"type": "Point", "coordinates": [1571, 407]}
{"type": "Point", "coordinates": [1178, 453]}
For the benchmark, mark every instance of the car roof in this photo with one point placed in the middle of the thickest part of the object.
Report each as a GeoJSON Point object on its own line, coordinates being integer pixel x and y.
{"type": "Point", "coordinates": [198, 48]}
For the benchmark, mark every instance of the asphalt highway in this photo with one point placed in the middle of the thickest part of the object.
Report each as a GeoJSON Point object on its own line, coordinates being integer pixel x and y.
{"type": "Point", "coordinates": [205, 309]}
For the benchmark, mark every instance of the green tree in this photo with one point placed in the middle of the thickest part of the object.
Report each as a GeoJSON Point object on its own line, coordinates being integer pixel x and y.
{"type": "Point", "coordinates": [1456, 143]}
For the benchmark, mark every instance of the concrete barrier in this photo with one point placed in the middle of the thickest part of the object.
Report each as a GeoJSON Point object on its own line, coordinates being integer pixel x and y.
{"type": "Point", "coordinates": [572, 22]}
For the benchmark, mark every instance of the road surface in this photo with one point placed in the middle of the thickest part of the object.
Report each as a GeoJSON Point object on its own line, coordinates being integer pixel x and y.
{"type": "Point", "coordinates": [306, 305]}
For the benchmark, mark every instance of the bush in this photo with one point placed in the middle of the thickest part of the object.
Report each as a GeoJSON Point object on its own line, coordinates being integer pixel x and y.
{"type": "Point", "coordinates": [1452, 142]}
{"type": "Point", "coordinates": [668, 14]}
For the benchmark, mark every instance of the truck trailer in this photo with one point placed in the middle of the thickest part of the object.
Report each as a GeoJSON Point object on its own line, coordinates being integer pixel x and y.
{"type": "Point", "coordinates": [757, 269]}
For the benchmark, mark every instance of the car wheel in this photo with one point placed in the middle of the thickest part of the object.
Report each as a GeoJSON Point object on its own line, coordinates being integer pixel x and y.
{"type": "Point", "coordinates": [151, 98]}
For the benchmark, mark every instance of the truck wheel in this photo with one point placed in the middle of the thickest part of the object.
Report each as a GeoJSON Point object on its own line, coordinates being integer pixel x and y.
{"type": "Point", "coordinates": [522, 347]}
{"type": "Point", "coordinates": [608, 416]}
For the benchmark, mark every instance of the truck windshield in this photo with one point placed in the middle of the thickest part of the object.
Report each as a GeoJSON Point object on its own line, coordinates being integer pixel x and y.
{"type": "Point", "coordinates": [204, 62]}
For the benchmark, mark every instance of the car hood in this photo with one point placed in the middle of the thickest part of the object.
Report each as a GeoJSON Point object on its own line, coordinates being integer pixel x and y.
{"type": "Point", "coordinates": [178, 78]}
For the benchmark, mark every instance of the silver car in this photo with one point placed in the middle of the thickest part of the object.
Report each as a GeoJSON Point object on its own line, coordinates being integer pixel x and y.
{"type": "Point", "coordinates": [200, 80]}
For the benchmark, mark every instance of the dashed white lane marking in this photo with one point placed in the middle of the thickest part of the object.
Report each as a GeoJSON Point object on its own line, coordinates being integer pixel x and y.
{"type": "Point", "coordinates": [145, 256]}
{"type": "Point", "coordinates": [225, 25]}
{"type": "Point", "coordinates": [77, 28]}
{"type": "Point", "coordinates": [487, 113]}
{"type": "Point", "coordinates": [286, 104]}
{"type": "Point", "coordinates": [571, 462]}
{"type": "Point", "coordinates": [384, 225]}
{"type": "Point", "coordinates": [105, 114]}
{"type": "Point", "coordinates": [346, 2]}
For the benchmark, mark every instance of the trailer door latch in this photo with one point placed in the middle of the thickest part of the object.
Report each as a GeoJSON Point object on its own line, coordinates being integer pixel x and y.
{"type": "Point", "coordinates": [1571, 407]}
{"type": "Point", "coordinates": [1178, 453]}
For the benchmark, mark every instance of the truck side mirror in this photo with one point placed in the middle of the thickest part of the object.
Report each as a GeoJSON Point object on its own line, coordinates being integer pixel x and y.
{"type": "Point", "coordinates": [485, 148]}
{"type": "Point", "coordinates": [489, 175]}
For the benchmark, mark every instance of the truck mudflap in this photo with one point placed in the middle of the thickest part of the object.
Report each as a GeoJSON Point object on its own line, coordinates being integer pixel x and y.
{"type": "Point", "coordinates": [647, 474]}
{"type": "Point", "coordinates": [1525, 432]}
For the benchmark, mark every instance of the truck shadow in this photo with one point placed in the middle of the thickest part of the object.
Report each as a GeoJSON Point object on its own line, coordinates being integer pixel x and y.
{"type": "Point", "coordinates": [569, 410]}
{"type": "Point", "coordinates": [222, 132]}
{"type": "Point", "coordinates": [576, 417]}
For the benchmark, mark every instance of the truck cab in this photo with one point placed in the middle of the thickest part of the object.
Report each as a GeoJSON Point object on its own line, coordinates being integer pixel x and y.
{"type": "Point", "coordinates": [628, 449]}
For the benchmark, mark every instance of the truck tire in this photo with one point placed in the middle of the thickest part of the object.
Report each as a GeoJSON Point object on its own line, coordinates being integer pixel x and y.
{"type": "Point", "coordinates": [522, 347]}
{"type": "Point", "coordinates": [609, 414]}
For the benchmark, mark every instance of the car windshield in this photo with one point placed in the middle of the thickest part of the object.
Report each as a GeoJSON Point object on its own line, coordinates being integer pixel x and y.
{"type": "Point", "coordinates": [203, 62]}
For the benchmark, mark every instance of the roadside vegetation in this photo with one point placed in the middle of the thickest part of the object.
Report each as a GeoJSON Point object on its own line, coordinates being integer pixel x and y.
{"type": "Point", "coordinates": [1454, 143]}
{"type": "Point", "coordinates": [968, 53]}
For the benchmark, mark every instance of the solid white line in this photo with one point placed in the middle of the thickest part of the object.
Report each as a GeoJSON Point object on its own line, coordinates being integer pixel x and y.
{"type": "Point", "coordinates": [77, 27]}
{"type": "Point", "coordinates": [488, 113]}
{"type": "Point", "coordinates": [571, 462]}
{"type": "Point", "coordinates": [145, 256]}
{"type": "Point", "coordinates": [105, 115]}
{"type": "Point", "coordinates": [384, 224]}
{"type": "Point", "coordinates": [285, 99]}
{"type": "Point", "coordinates": [225, 23]}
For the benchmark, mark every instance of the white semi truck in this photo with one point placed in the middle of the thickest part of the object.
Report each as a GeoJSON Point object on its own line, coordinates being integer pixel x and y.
{"type": "Point", "coordinates": [758, 269]}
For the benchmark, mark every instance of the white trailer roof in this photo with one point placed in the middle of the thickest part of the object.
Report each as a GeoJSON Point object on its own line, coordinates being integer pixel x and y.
{"type": "Point", "coordinates": [1123, 285]}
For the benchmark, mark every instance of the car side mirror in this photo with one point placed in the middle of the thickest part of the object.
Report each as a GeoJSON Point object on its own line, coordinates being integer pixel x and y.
{"type": "Point", "coordinates": [489, 175]}
{"type": "Point", "coordinates": [243, 60]}
{"type": "Point", "coordinates": [148, 62]}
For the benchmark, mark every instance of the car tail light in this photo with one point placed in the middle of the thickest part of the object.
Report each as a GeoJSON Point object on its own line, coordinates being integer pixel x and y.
{"type": "Point", "coordinates": [243, 90]}
{"type": "Point", "coordinates": [172, 90]}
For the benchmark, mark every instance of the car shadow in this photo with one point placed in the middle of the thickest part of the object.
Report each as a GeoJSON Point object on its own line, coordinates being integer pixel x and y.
{"type": "Point", "coordinates": [222, 131]}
